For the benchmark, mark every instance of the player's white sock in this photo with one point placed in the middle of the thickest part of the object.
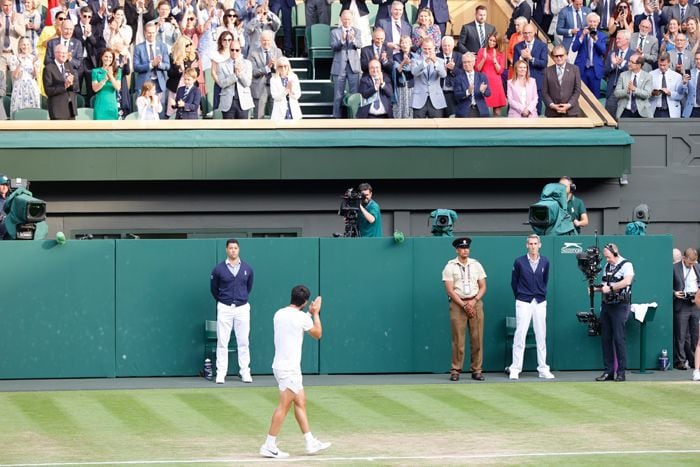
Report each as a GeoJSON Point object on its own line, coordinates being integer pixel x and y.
{"type": "Point", "coordinates": [308, 437]}
{"type": "Point", "coordinates": [271, 441]}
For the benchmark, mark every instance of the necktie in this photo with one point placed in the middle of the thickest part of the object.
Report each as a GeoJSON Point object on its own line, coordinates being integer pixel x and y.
{"type": "Point", "coordinates": [560, 74]}
{"type": "Point", "coordinates": [18, 6]}
{"type": "Point", "coordinates": [653, 26]}
{"type": "Point", "coordinates": [376, 52]}
{"type": "Point", "coordinates": [288, 114]}
{"type": "Point", "coordinates": [430, 72]}
{"type": "Point", "coordinates": [641, 43]}
{"type": "Point", "coordinates": [680, 58]}
{"type": "Point", "coordinates": [682, 13]}
{"type": "Point", "coordinates": [470, 77]}
{"type": "Point", "coordinates": [62, 70]}
{"type": "Point", "coordinates": [267, 60]}
{"type": "Point", "coordinates": [604, 15]}
{"type": "Point", "coordinates": [579, 21]}
{"type": "Point", "coordinates": [6, 42]}
{"type": "Point", "coordinates": [697, 94]}
{"type": "Point", "coordinates": [590, 52]}
{"type": "Point", "coordinates": [633, 104]}
{"type": "Point", "coordinates": [377, 100]}
{"type": "Point", "coordinates": [481, 35]}
{"type": "Point", "coordinates": [151, 52]}
{"type": "Point", "coordinates": [664, 101]}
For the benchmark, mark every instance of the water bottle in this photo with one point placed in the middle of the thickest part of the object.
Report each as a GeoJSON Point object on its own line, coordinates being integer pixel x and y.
{"type": "Point", "coordinates": [664, 364]}
{"type": "Point", "coordinates": [208, 374]}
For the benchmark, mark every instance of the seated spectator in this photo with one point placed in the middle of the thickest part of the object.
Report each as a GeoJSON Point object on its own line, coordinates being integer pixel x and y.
{"type": "Point", "coordinates": [285, 92]}
{"type": "Point", "coordinates": [403, 80]}
{"type": "Point", "coordinates": [235, 76]}
{"type": "Point", "coordinates": [633, 91]}
{"type": "Point", "coordinates": [264, 60]}
{"type": "Point", "coordinates": [590, 44]}
{"type": "Point", "coordinates": [522, 93]}
{"type": "Point", "coordinates": [32, 22]}
{"type": "Point", "coordinates": [61, 85]}
{"type": "Point", "coordinates": [452, 60]}
{"type": "Point", "coordinates": [561, 87]}
{"type": "Point", "coordinates": [106, 83]}
{"type": "Point", "coordinates": [395, 26]}
{"type": "Point", "coordinates": [182, 57]}
{"type": "Point", "coordinates": [425, 29]}
{"type": "Point", "coordinates": [376, 92]}
{"type": "Point", "coordinates": [360, 17]}
{"type": "Point", "coordinates": [668, 90]}
{"type": "Point", "coordinates": [148, 103]}
{"type": "Point", "coordinates": [427, 70]}
{"type": "Point", "coordinates": [491, 62]}
{"type": "Point", "coordinates": [669, 39]}
{"type": "Point", "coordinates": [471, 89]}
{"type": "Point", "coordinates": [25, 70]}
{"type": "Point", "coordinates": [377, 50]}
{"type": "Point", "coordinates": [263, 20]}
{"type": "Point", "coordinates": [188, 98]}
{"type": "Point", "coordinates": [515, 38]}
{"type": "Point", "coordinates": [345, 68]}
{"type": "Point", "coordinates": [168, 28]}
{"type": "Point", "coordinates": [646, 45]}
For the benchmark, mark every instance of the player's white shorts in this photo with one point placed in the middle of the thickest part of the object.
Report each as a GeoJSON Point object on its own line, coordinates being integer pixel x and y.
{"type": "Point", "coordinates": [286, 379]}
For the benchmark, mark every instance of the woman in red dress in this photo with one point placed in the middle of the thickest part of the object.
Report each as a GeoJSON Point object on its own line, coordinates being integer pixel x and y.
{"type": "Point", "coordinates": [491, 62]}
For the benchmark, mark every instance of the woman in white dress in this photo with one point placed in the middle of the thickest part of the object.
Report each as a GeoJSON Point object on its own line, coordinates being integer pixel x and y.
{"type": "Point", "coordinates": [25, 69]}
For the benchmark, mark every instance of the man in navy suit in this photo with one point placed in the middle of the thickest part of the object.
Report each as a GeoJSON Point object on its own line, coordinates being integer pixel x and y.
{"type": "Point", "coordinates": [376, 91]}
{"type": "Point", "coordinates": [453, 61]}
{"type": "Point", "coordinates": [656, 17]}
{"type": "Point", "coordinates": [571, 19]}
{"type": "Point", "coordinates": [188, 97]}
{"type": "Point", "coordinates": [440, 10]}
{"type": "Point", "coordinates": [529, 283]}
{"type": "Point", "coordinates": [384, 10]}
{"type": "Point", "coordinates": [470, 88]}
{"type": "Point", "coordinates": [534, 52]}
{"type": "Point", "coordinates": [72, 45]}
{"type": "Point", "coordinates": [395, 26]}
{"type": "Point", "coordinates": [590, 43]}
{"type": "Point", "coordinates": [616, 63]}
{"type": "Point", "coordinates": [377, 51]}
{"type": "Point", "coordinates": [151, 63]}
{"type": "Point", "coordinates": [285, 6]}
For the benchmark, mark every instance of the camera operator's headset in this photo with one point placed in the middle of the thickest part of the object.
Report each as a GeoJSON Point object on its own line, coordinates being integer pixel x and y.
{"type": "Point", "coordinates": [611, 248]}
{"type": "Point", "coordinates": [572, 185]}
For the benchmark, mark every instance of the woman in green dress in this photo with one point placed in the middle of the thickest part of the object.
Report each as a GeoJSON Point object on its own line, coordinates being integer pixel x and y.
{"type": "Point", "coordinates": [106, 82]}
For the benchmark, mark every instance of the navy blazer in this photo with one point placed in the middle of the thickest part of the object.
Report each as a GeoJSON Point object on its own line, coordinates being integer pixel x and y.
{"type": "Point", "coordinates": [528, 285]}
{"type": "Point", "coordinates": [367, 54]}
{"type": "Point", "coordinates": [461, 85]}
{"type": "Point", "coordinates": [659, 18]}
{"type": "Point", "coordinates": [539, 60]}
{"type": "Point", "coordinates": [450, 78]}
{"type": "Point", "coordinates": [566, 22]}
{"type": "Point", "coordinates": [612, 74]}
{"type": "Point", "coordinates": [384, 11]}
{"type": "Point", "coordinates": [367, 90]}
{"type": "Point", "coordinates": [361, 6]}
{"type": "Point", "coordinates": [599, 51]}
{"type": "Point", "coordinates": [75, 47]}
{"type": "Point", "coordinates": [192, 101]}
{"type": "Point", "coordinates": [441, 13]}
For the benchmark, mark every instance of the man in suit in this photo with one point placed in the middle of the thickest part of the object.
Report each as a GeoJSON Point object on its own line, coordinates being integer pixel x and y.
{"type": "Point", "coordinates": [91, 39]}
{"type": "Point", "coordinates": [605, 10]}
{"type": "Point", "coordinates": [395, 26]}
{"type": "Point", "coordinates": [682, 11]}
{"type": "Point", "coordinates": [188, 97]}
{"type": "Point", "coordinates": [570, 20]}
{"type": "Point", "coordinates": [61, 85]}
{"type": "Point", "coordinates": [473, 35]}
{"type": "Point", "coordinates": [428, 100]}
{"type": "Point", "coordinates": [522, 8]}
{"type": "Point", "coordinates": [346, 44]}
{"type": "Point", "coordinates": [283, 9]}
{"type": "Point", "coordinates": [686, 279]}
{"type": "Point", "coordinates": [692, 103]}
{"type": "Point", "coordinates": [470, 89]}
{"type": "Point", "coordinates": [657, 19]}
{"type": "Point", "coordinates": [534, 52]}
{"type": "Point", "coordinates": [264, 61]}
{"type": "Point", "coordinates": [561, 87]}
{"type": "Point", "coordinates": [317, 12]}
{"type": "Point", "coordinates": [235, 76]}
{"type": "Point", "coordinates": [646, 45]}
{"type": "Point", "coordinates": [668, 90]}
{"type": "Point", "coordinates": [615, 64]}
{"type": "Point", "coordinates": [453, 62]}
{"type": "Point", "coordinates": [102, 10]}
{"type": "Point", "coordinates": [591, 45]}
{"type": "Point", "coordinates": [681, 58]}
{"type": "Point", "coordinates": [12, 27]}
{"type": "Point", "coordinates": [633, 91]}
{"type": "Point", "coordinates": [377, 50]}
{"type": "Point", "coordinates": [151, 63]}
{"type": "Point", "coordinates": [440, 10]}
{"type": "Point", "coordinates": [376, 91]}
{"type": "Point", "coordinates": [384, 11]}
{"type": "Point", "coordinates": [73, 45]}
{"type": "Point", "coordinates": [263, 20]}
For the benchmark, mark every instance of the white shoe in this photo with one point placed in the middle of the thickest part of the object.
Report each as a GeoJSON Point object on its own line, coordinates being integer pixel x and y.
{"type": "Point", "coordinates": [315, 446]}
{"type": "Point", "coordinates": [546, 374]}
{"type": "Point", "coordinates": [220, 379]}
{"type": "Point", "coordinates": [246, 378]}
{"type": "Point", "coordinates": [696, 375]}
{"type": "Point", "coordinates": [514, 375]}
{"type": "Point", "coordinates": [274, 451]}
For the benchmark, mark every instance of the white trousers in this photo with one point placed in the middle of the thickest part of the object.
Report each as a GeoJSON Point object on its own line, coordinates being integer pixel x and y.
{"type": "Point", "coordinates": [524, 312]}
{"type": "Point", "coordinates": [238, 318]}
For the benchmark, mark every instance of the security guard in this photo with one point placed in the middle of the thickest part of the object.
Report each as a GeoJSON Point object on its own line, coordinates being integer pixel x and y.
{"type": "Point", "coordinates": [4, 190]}
{"type": "Point", "coordinates": [617, 293]}
{"type": "Point", "coordinates": [465, 283]}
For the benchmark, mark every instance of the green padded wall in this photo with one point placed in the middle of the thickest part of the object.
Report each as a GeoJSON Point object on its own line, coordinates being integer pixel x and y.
{"type": "Point", "coordinates": [57, 309]}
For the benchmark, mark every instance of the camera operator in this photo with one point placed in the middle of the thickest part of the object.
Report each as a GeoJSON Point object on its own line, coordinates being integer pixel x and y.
{"type": "Point", "coordinates": [686, 278]}
{"type": "Point", "coordinates": [616, 289]}
{"type": "Point", "coordinates": [4, 190]}
{"type": "Point", "coordinates": [370, 222]}
{"type": "Point", "coordinates": [574, 205]}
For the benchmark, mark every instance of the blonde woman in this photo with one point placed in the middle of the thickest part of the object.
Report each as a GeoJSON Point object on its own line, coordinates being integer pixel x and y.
{"type": "Point", "coordinates": [32, 22]}
{"type": "Point", "coordinates": [425, 27]}
{"type": "Point", "coordinates": [25, 69]}
{"type": "Point", "coordinates": [182, 58]}
{"type": "Point", "coordinates": [285, 92]}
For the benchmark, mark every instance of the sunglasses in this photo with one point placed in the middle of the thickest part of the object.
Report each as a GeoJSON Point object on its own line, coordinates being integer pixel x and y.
{"type": "Point", "coordinates": [87, 16]}
{"type": "Point", "coordinates": [188, 45]}
{"type": "Point", "coordinates": [559, 55]}
{"type": "Point", "coordinates": [60, 18]}
{"type": "Point", "coordinates": [190, 19]}
{"type": "Point", "coordinates": [235, 50]}
{"type": "Point", "coordinates": [231, 16]}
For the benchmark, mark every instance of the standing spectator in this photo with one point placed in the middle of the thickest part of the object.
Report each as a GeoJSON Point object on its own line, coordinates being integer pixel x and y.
{"type": "Point", "coordinates": [682, 10]}
{"type": "Point", "coordinates": [691, 32]}
{"type": "Point", "coordinates": [529, 283]}
{"type": "Point", "coordinates": [117, 26]}
{"type": "Point", "coordinates": [633, 91]}
{"type": "Point", "coordinates": [66, 7]}
{"type": "Point", "coordinates": [384, 12]}
{"type": "Point", "coordinates": [49, 32]}
{"type": "Point", "coordinates": [473, 35]}
{"type": "Point", "coordinates": [360, 18]}
{"type": "Point", "coordinates": [106, 83]}
{"type": "Point", "coordinates": [561, 87]}
{"type": "Point", "coordinates": [440, 12]}
{"type": "Point", "coordinates": [346, 45]}
{"type": "Point", "coordinates": [681, 57]}
{"type": "Point", "coordinates": [148, 103]}
{"type": "Point", "coordinates": [376, 92]}
{"type": "Point", "coordinates": [534, 51]}
{"type": "Point", "coordinates": [403, 80]}
{"type": "Point", "coordinates": [231, 285]}
{"type": "Point", "coordinates": [152, 62]}
{"type": "Point", "coordinates": [25, 70]}
{"type": "Point", "coordinates": [233, 24]}
{"type": "Point", "coordinates": [189, 28]}
{"type": "Point", "coordinates": [285, 92]}
{"type": "Point", "coordinates": [621, 20]}
{"type": "Point", "coordinates": [264, 62]}
{"type": "Point", "coordinates": [377, 50]}
{"type": "Point", "coordinates": [369, 222]}
{"type": "Point", "coordinates": [317, 12]}
{"type": "Point", "coordinates": [453, 61]}
{"type": "Point", "coordinates": [424, 29]}
{"type": "Point", "coordinates": [235, 76]}
{"type": "Point", "coordinates": [208, 20]}
{"type": "Point", "coordinates": [90, 38]}
{"type": "Point", "coordinates": [168, 28]}
{"type": "Point", "coordinates": [591, 47]}
{"type": "Point", "coordinates": [686, 279]}
{"type": "Point", "coordinates": [471, 90]}
{"type": "Point", "coordinates": [183, 57]}
{"type": "Point", "coordinates": [283, 10]}
{"type": "Point", "coordinates": [263, 20]}
{"type": "Point", "coordinates": [522, 93]}
{"type": "Point", "coordinates": [124, 63]}
{"type": "Point", "coordinates": [102, 10]}
{"type": "Point", "coordinates": [616, 64]}
{"type": "Point", "coordinates": [692, 103]}
{"type": "Point", "coordinates": [669, 90]}
{"type": "Point", "coordinates": [515, 38]}
{"type": "Point", "coordinates": [556, 7]}
{"type": "Point", "coordinates": [522, 9]}
{"type": "Point", "coordinates": [395, 26]}
{"type": "Point", "coordinates": [669, 39]}
{"type": "Point", "coordinates": [657, 19]}
{"type": "Point", "coordinates": [646, 45]}
{"type": "Point", "coordinates": [187, 98]}
{"type": "Point", "coordinates": [465, 284]}
{"type": "Point", "coordinates": [32, 22]}
{"type": "Point", "coordinates": [61, 86]}
{"type": "Point", "coordinates": [138, 14]}
{"type": "Point", "coordinates": [427, 70]}
{"type": "Point", "coordinates": [491, 62]}
{"type": "Point", "coordinates": [571, 19]}
{"type": "Point", "coordinates": [223, 53]}
{"type": "Point", "coordinates": [12, 28]}
{"type": "Point", "coordinates": [605, 9]}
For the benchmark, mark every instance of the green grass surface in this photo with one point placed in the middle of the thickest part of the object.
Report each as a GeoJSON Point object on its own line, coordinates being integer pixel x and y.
{"type": "Point", "coordinates": [507, 424]}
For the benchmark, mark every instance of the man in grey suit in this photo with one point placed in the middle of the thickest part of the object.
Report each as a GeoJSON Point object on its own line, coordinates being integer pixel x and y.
{"type": "Point", "coordinates": [264, 61]}
{"type": "Point", "coordinates": [633, 91]}
{"type": "Point", "coordinates": [646, 45]}
{"type": "Point", "coordinates": [682, 11]}
{"type": "Point", "coordinates": [235, 76]}
{"type": "Point", "coordinates": [346, 43]}
{"type": "Point", "coordinates": [561, 87]}
{"type": "Point", "coordinates": [475, 34]}
{"type": "Point", "coordinates": [668, 90]}
{"type": "Point", "coordinates": [681, 57]}
{"type": "Point", "coordinates": [428, 99]}
{"type": "Point", "coordinates": [395, 26]}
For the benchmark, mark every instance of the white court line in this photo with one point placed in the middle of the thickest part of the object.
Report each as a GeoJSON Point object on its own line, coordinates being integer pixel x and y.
{"type": "Point", "coordinates": [367, 458]}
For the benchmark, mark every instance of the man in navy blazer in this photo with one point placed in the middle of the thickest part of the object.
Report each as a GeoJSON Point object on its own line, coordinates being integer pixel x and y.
{"type": "Point", "coordinates": [377, 50]}
{"type": "Point", "coordinates": [188, 97]}
{"type": "Point", "coordinates": [656, 17]}
{"type": "Point", "coordinates": [470, 88]}
{"type": "Point", "coordinates": [151, 63]}
{"type": "Point", "coordinates": [376, 91]}
{"type": "Point", "coordinates": [384, 10]}
{"type": "Point", "coordinates": [395, 26]}
{"type": "Point", "coordinates": [535, 53]}
{"type": "Point", "coordinates": [441, 13]}
{"type": "Point", "coordinates": [591, 45]}
{"type": "Point", "coordinates": [570, 20]}
{"type": "Point", "coordinates": [529, 283]}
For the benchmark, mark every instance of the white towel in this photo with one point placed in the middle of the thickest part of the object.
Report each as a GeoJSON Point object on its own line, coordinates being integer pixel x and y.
{"type": "Point", "coordinates": [640, 310]}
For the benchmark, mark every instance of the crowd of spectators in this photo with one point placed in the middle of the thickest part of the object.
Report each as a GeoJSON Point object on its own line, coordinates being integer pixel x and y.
{"type": "Point", "coordinates": [157, 58]}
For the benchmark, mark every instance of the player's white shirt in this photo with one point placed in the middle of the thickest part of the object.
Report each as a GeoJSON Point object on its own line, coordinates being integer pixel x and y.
{"type": "Point", "coordinates": [290, 325]}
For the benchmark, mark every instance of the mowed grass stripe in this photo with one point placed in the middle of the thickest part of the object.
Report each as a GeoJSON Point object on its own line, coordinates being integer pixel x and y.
{"type": "Point", "coordinates": [44, 414]}
{"type": "Point", "coordinates": [135, 416]}
{"type": "Point", "coordinates": [219, 413]}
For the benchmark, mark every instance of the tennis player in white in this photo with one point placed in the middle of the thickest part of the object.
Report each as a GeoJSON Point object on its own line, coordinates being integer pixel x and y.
{"type": "Point", "coordinates": [289, 324]}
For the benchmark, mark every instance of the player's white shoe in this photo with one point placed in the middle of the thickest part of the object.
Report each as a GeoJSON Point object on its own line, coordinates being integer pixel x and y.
{"type": "Point", "coordinates": [696, 375]}
{"type": "Point", "coordinates": [546, 374]}
{"type": "Point", "coordinates": [274, 451]}
{"type": "Point", "coordinates": [315, 446]}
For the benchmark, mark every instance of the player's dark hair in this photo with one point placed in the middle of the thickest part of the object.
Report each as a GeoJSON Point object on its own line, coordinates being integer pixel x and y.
{"type": "Point", "coordinates": [300, 295]}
